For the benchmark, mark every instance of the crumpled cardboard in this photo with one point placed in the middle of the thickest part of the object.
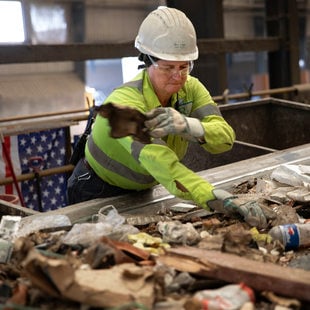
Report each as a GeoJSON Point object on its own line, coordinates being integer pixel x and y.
{"type": "Point", "coordinates": [125, 121]}
{"type": "Point", "coordinates": [116, 286]}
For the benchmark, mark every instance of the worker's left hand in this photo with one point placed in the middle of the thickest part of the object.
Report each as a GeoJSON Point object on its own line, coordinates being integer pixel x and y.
{"type": "Point", "coordinates": [250, 211]}
{"type": "Point", "coordinates": [254, 214]}
{"type": "Point", "coordinates": [164, 121]}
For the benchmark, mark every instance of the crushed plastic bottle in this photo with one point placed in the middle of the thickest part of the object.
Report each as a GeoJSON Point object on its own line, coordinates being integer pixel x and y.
{"type": "Point", "coordinates": [292, 236]}
{"type": "Point", "coordinates": [229, 297]}
{"type": "Point", "coordinates": [8, 228]}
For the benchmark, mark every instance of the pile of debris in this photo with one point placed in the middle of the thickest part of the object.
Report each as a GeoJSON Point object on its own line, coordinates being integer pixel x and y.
{"type": "Point", "coordinates": [183, 258]}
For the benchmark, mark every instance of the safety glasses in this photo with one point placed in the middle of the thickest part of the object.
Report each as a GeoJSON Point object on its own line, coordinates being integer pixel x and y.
{"type": "Point", "coordinates": [170, 70]}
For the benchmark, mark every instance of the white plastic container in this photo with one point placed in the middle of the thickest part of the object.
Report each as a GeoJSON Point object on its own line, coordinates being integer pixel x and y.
{"type": "Point", "coordinates": [229, 297]}
{"type": "Point", "coordinates": [292, 236]}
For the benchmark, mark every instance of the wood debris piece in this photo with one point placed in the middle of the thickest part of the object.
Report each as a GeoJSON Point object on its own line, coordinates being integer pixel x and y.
{"type": "Point", "coordinates": [211, 242]}
{"type": "Point", "coordinates": [260, 276]}
{"type": "Point", "coordinates": [19, 296]}
{"type": "Point", "coordinates": [125, 121]}
{"type": "Point", "coordinates": [284, 302]}
{"type": "Point", "coordinates": [211, 223]}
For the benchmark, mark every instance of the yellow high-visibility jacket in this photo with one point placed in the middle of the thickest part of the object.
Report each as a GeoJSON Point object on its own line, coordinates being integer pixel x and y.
{"type": "Point", "coordinates": [129, 164]}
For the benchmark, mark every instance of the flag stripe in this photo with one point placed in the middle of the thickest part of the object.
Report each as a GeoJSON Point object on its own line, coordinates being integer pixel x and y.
{"type": "Point", "coordinates": [50, 145]}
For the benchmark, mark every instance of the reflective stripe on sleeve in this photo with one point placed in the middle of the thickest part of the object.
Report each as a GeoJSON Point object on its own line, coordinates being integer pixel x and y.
{"type": "Point", "coordinates": [114, 166]}
{"type": "Point", "coordinates": [137, 147]}
{"type": "Point", "coordinates": [206, 110]}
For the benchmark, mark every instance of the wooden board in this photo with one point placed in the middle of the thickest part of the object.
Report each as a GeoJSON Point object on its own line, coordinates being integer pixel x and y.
{"type": "Point", "coordinates": [260, 276]}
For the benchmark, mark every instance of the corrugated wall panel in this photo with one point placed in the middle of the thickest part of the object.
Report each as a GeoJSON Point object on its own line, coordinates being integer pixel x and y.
{"type": "Point", "coordinates": [40, 93]}
{"type": "Point", "coordinates": [36, 68]}
{"type": "Point", "coordinates": [112, 25]}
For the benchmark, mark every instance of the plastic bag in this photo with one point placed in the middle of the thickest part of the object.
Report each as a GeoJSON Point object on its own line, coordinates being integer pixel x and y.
{"type": "Point", "coordinates": [177, 232]}
{"type": "Point", "coordinates": [294, 175]}
{"type": "Point", "coordinates": [108, 214]}
{"type": "Point", "coordinates": [32, 224]}
{"type": "Point", "coordinates": [107, 222]}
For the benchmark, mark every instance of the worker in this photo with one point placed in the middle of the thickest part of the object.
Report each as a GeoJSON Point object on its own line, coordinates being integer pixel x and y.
{"type": "Point", "coordinates": [179, 109]}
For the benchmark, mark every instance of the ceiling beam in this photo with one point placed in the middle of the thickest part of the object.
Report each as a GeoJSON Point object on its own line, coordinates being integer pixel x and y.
{"type": "Point", "coordinates": [82, 51]}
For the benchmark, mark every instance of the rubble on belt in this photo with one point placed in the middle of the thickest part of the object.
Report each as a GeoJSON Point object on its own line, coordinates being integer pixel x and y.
{"type": "Point", "coordinates": [183, 258]}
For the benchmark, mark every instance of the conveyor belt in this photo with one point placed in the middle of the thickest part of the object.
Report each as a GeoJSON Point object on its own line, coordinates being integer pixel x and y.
{"type": "Point", "coordinates": [149, 202]}
{"type": "Point", "coordinates": [226, 176]}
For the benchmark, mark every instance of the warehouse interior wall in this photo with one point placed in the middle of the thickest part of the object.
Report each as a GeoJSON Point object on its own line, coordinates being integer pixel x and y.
{"type": "Point", "coordinates": [38, 88]}
{"type": "Point", "coordinates": [94, 21]}
{"type": "Point", "coordinates": [49, 87]}
{"type": "Point", "coordinates": [246, 71]}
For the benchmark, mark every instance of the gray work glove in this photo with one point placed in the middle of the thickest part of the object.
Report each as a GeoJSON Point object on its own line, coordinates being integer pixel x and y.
{"type": "Point", "coordinates": [254, 214]}
{"type": "Point", "coordinates": [164, 121]}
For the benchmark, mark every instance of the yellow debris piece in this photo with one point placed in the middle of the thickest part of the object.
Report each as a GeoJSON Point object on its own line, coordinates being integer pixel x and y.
{"type": "Point", "coordinates": [144, 241]}
{"type": "Point", "coordinates": [258, 237]}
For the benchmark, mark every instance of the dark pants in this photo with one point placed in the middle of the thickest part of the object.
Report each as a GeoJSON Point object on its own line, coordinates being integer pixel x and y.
{"type": "Point", "coordinates": [85, 185]}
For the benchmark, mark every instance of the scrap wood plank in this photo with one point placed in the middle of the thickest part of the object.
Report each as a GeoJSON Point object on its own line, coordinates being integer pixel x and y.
{"type": "Point", "coordinates": [261, 276]}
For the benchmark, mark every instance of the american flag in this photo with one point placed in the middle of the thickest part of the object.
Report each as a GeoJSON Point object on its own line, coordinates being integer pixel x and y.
{"type": "Point", "coordinates": [50, 147]}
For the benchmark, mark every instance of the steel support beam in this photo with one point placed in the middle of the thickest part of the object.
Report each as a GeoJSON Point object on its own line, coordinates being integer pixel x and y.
{"type": "Point", "coordinates": [207, 18]}
{"type": "Point", "coordinates": [282, 21]}
{"type": "Point", "coordinates": [82, 51]}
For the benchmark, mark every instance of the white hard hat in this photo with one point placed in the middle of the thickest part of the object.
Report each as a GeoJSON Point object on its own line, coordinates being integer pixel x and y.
{"type": "Point", "coordinates": [167, 34]}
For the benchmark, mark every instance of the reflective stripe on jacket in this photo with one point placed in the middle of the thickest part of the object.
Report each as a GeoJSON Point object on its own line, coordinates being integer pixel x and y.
{"type": "Point", "coordinates": [132, 165]}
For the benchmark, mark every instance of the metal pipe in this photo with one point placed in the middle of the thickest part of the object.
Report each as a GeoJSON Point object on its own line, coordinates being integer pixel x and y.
{"type": "Point", "coordinates": [256, 93]}
{"type": "Point", "coordinates": [42, 173]}
{"type": "Point", "coordinates": [215, 98]}
{"type": "Point", "coordinates": [17, 118]}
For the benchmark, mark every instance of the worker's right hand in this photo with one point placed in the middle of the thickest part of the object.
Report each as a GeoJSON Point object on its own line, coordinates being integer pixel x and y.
{"type": "Point", "coordinates": [254, 214]}
{"type": "Point", "coordinates": [164, 121]}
